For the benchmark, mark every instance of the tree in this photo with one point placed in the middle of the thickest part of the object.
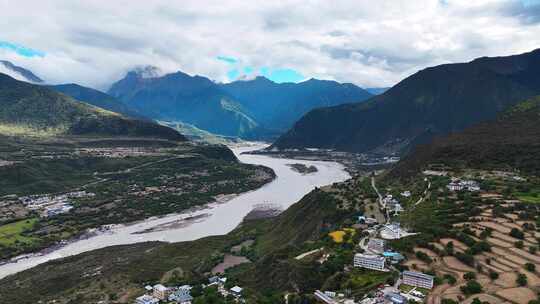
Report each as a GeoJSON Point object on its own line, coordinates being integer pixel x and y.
{"type": "Point", "coordinates": [521, 279]}
{"type": "Point", "coordinates": [469, 276]}
{"type": "Point", "coordinates": [530, 267]}
{"type": "Point", "coordinates": [493, 275]}
{"type": "Point", "coordinates": [518, 234]}
{"type": "Point", "coordinates": [476, 301]}
{"type": "Point", "coordinates": [519, 244]}
{"type": "Point", "coordinates": [472, 287]}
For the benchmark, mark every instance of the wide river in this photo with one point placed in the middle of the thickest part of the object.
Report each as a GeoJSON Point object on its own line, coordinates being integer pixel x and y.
{"type": "Point", "coordinates": [216, 219]}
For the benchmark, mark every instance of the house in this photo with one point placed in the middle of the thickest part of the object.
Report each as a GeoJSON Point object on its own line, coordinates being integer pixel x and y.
{"type": "Point", "coordinates": [417, 279]}
{"type": "Point", "coordinates": [146, 299]}
{"type": "Point", "coordinates": [376, 245]}
{"type": "Point", "coordinates": [181, 295]}
{"type": "Point", "coordinates": [148, 288]}
{"type": "Point", "coordinates": [369, 261]}
{"type": "Point", "coordinates": [236, 291]}
{"type": "Point", "coordinates": [453, 186]}
{"type": "Point", "coordinates": [161, 292]}
{"type": "Point", "coordinates": [406, 193]}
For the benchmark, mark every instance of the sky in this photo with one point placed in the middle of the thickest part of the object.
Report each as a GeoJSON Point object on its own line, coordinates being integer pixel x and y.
{"type": "Point", "coordinates": [365, 42]}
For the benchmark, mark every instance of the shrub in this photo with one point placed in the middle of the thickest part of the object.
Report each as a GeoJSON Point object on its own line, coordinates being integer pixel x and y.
{"type": "Point", "coordinates": [530, 267]}
{"type": "Point", "coordinates": [518, 234]}
{"type": "Point", "coordinates": [493, 275]}
{"type": "Point", "coordinates": [521, 280]}
{"type": "Point", "coordinates": [469, 276]}
{"type": "Point", "coordinates": [472, 287]}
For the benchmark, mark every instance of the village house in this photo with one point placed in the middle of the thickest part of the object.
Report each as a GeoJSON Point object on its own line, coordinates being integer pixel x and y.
{"type": "Point", "coordinates": [161, 292]}
{"type": "Point", "coordinates": [236, 291]}
{"type": "Point", "coordinates": [181, 295]}
{"type": "Point", "coordinates": [369, 261]}
{"type": "Point", "coordinates": [146, 299]}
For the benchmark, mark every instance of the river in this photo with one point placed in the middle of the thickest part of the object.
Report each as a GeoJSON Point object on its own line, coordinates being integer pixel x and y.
{"type": "Point", "coordinates": [217, 219]}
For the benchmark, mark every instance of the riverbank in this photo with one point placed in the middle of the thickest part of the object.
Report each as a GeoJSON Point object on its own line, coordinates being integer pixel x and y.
{"type": "Point", "coordinates": [287, 188]}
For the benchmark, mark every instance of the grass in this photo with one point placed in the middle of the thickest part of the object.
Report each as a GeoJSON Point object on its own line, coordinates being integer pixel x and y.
{"type": "Point", "coordinates": [338, 235]}
{"type": "Point", "coordinates": [13, 233]}
{"type": "Point", "coordinates": [407, 288]}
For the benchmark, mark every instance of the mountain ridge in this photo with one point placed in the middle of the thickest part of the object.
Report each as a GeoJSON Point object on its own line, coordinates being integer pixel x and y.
{"type": "Point", "coordinates": [434, 101]}
{"type": "Point", "coordinates": [29, 109]}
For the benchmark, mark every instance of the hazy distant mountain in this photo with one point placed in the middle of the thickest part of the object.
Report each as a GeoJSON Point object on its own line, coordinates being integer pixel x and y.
{"type": "Point", "coordinates": [277, 106]}
{"type": "Point", "coordinates": [178, 96]}
{"type": "Point", "coordinates": [252, 109]}
{"type": "Point", "coordinates": [18, 72]}
{"type": "Point", "coordinates": [434, 101]}
{"type": "Point", "coordinates": [28, 109]}
{"type": "Point", "coordinates": [512, 141]}
{"type": "Point", "coordinates": [377, 91]}
{"type": "Point", "coordinates": [96, 98]}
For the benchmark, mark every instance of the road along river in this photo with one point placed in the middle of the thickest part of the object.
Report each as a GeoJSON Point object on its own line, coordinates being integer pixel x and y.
{"type": "Point", "coordinates": [216, 219]}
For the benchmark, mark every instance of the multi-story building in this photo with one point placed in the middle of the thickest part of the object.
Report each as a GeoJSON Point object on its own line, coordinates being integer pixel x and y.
{"type": "Point", "coordinates": [369, 261]}
{"type": "Point", "coordinates": [417, 279]}
{"type": "Point", "coordinates": [161, 292]}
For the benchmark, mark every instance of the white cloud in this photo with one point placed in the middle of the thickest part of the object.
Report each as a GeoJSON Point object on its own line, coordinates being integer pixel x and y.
{"type": "Point", "coordinates": [370, 43]}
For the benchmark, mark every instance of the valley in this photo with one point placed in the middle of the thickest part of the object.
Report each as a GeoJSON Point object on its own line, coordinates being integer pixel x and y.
{"type": "Point", "coordinates": [345, 152]}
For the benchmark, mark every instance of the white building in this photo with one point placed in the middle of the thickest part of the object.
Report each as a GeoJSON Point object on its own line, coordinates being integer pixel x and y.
{"type": "Point", "coordinates": [369, 261]}
{"type": "Point", "coordinates": [236, 291]}
{"type": "Point", "coordinates": [417, 279]}
{"type": "Point", "coordinates": [146, 299]}
{"type": "Point", "coordinates": [181, 295]}
{"type": "Point", "coordinates": [161, 292]}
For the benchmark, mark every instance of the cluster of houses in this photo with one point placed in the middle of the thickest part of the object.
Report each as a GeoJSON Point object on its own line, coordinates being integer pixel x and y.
{"type": "Point", "coordinates": [377, 257]}
{"type": "Point", "coordinates": [392, 204]}
{"type": "Point", "coordinates": [160, 293]}
{"type": "Point", "coordinates": [461, 185]}
{"type": "Point", "coordinates": [182, 294]}
{"type": "Point", "coordinates": [50, 205]}
{"type": "Point", "coordinates": [119, 152]}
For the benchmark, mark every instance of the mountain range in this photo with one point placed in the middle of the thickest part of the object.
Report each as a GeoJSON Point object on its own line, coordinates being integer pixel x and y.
{"type": "Point", "coordinates": [28, 109]}
{"type": "Point", "coordinates": [251, 109]}
{"type": "Point", "coordinates": [18, 72]}
{"type": "Point", "coordinates": [432, 102]}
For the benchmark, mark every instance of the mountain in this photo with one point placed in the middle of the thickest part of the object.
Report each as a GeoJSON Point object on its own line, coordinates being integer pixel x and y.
{"type": "Point", "coordinates": [178, 96]}
{"type": "Point", "coordinates": [18, 72]}
{"type": "Point", "coordinates": [377, 91]}
{"type": "Point", "coordinates": [512, 141]}
{"type": "Point", "coordinates": [251, 109]}
{"type": "Point", "coordinates": [435, 101]}
{"type": "Point", "coordinates": [278, 106]}
{"type": "Point", "coordinates": [96, 98]}
{"type": "Point", "coordinates": [28, 109]}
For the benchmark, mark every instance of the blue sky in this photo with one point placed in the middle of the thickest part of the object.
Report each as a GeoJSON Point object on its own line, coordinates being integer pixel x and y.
{"type": "Point", "coordinates": [21, 50]}
{"type": "Point", "coordinates": [279, 75]}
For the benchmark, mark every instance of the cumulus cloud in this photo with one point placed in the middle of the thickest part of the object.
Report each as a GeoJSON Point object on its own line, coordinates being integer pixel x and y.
{"type": "Point", "coordinates": [369, 43]}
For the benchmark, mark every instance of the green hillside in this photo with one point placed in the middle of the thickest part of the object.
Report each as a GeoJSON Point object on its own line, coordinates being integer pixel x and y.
{"type": "Point", "coordinates": [510, 142]}
{"type": "Point", "coordinates": [435, 101]}
{"type": "Point", "coordinates": [28, 109]}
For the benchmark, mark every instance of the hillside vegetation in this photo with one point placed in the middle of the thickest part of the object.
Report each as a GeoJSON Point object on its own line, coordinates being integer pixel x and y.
{"type": "Point", "coordinates": [28, 109]}
{"type": "Point", "coordinates": [432, 102]}
{"type": "Point", "coordinates": [510, 142]}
